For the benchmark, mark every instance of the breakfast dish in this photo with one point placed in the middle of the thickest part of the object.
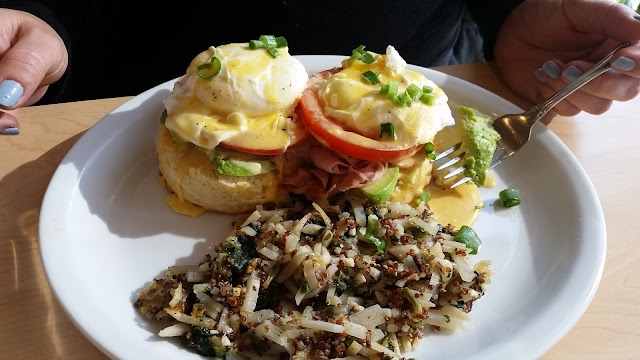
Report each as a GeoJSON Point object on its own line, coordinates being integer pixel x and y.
{"type": "Point", "coordinates": [243, 128]}
{"type": "Point", "coordinates": [104, 210]}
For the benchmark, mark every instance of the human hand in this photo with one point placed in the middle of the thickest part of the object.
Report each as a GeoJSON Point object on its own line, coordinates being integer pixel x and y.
{"type": "Point", "coordinates": [545, 44]}
{"type": "Point", "coordinates": [32, 57]}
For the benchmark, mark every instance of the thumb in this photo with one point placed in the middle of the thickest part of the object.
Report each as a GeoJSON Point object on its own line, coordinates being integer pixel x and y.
{"type": "Point", "coordinates": [604, 17]}
{"type": "Point", "coordinates": [37, 58]}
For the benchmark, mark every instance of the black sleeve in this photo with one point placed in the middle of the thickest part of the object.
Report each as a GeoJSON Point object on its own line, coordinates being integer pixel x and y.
{"type": "Point", "coordinates": [490, 15]}
{"type": "Point", "coordinates": [54, 93]}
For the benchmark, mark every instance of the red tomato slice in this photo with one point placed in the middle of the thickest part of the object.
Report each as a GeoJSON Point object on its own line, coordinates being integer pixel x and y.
{"type": "Point", "coordinates": [335, 137]}
{"type": "Point", "coordinates": [250, 141]}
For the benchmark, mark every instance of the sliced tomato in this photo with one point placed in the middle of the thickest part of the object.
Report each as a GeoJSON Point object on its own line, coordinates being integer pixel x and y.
{"type": "Point", "coordinates": [332, 135]}
{"type": "Point", "coordinates": [265, 142]}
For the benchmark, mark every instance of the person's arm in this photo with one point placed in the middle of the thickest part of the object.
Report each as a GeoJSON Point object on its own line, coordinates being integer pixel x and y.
{"type": "Point", "coordinates": [490, 15]}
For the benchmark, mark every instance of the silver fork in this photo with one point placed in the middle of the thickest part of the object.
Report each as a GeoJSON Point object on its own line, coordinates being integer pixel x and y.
{"type": "Point", "coordinates": [515, 129]}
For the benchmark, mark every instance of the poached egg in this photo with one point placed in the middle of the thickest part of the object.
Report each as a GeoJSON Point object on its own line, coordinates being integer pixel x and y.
{"type": "Point", "coordinates": [252, 93]}
{"type": "Point", "coordinates": [359, 106]}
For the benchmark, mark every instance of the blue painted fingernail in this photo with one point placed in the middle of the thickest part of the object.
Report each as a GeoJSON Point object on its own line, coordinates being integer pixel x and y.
{"type": "Point", "coordinates": [551, 69]}
{"type": "Point", "coordinates": [539, 76]}
{"type": "Point", "coordinates": [571, 73]}
{"type": "Point", "coordinates": [637, 17]}
{"type": "Point", "coordinates": [623, 63]}
{"type": "Point", "coordinates": [10, 131]}
{"type": "Point", "coordinates": [10, 92]}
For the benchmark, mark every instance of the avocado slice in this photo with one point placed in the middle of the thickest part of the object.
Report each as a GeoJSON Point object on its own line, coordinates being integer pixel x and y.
{"type": "Point", "coordinates": [479, 142]}
{"type": "Point", "coordinates": [381, 190]}
{"type": "Point", "coordinates": [237, 167]}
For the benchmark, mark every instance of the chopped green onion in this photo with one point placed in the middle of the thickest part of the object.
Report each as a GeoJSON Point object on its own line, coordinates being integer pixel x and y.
{"type": "Point", "coordinates": [281, 42]}
{"type": "Point", "coordinates": [304, 288]}
{"type": "Point", "coordinates": [427, 89]}
{"type": "Point", "coordinates": [371, 76]}
{"type": "Point", "coordinates": [428, 98]}
{"type": "Point", "coordinates": [163, 116]}
{"type": "Point", "coordinates": [381, 245]}
{"type": "Point", "coordinates": [357, 51]}
{"type": "Point", "coordinates": [414, 91]}
{"type": "Point", "coordinates": [256, 44]}
{"type": "Point", "coordinates": [273, 52]}
{"type": "Point", "coordinates": [364, 56]}
{"type": "Point", "coordinates": [509, 197]}
{"type": "Point", "coordinates": [429, 148]}
{"type": "Point", "coordinates": [425, 196]}
{"type": "Point", "coordinates": [210, 69]}
{"type": "Point", "coordinates": [268, 40]}
{"type": "Point", "coordinates": [387, 130]}
{"type": "Point", "coordinates": [270, 43]}
{"type": "Point", "coordinates": [469, 238]}
{"type": "Point", "coordinates": [373, 226]}
{"type": "Point", "coordinates": [390, 89]}
{"type": "Point", "coordinates": [404, 100]}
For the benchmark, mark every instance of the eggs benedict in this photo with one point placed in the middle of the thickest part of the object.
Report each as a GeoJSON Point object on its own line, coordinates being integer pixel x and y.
{"type": "Point", "coordinates": [246, 125]}
{"type": "Point", "coordinates": [224, 119]}
{"type": "Point", "coordinates": [374, 121]}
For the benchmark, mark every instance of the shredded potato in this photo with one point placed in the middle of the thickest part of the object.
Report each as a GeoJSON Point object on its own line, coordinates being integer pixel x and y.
{"type": "Point", "coordinates": [382, 276]}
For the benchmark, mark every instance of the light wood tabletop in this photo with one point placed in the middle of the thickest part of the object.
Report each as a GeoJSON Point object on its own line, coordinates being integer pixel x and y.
{"type": "Point", "coordinates": [33, 325]}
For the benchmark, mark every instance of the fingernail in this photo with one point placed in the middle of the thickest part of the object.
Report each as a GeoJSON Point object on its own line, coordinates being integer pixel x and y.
{"type": "Point", "coordinates": [10, 131]}
{"type": "Point", "coordinates": [571, 73]}
{"type": "Point", "coordinates": [551, 69]}
{"type": "Point", "coordinates": [624, 63]}
{"type": "Point", "coordinates": [539, 76]}
{"type": "Point", "coordinates": [10, 92]}
{"type": "Point", "coordinates": [637, 17]}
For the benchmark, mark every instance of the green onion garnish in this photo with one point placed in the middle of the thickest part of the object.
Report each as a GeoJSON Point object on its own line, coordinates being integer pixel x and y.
{"type": "Point", "coordinates": [469, 238]}
{"type": "Point", "coordinates": [256, 44]}
{"type": "Point", "coordinates": [404, 100]}
{"type": "Point", "coordinates": [429, 148]}
{"type": "Point", "coordinates": [270, 43]}
{"type": "Point", "coordinates": [509, 197]}
{"type": "Point", "coordinates": [414, 91]}
{"type": "Point", "coordinates": [268, 40]}
{"type": "Point", "coordinates": [427, 89]}
{"type": "Point", "coordinates": [364, 56]}
{"type": "Point", "coordinates": [428, 98]}
{"type": "Point", "coordinates": [371, 76]}
{"type": "Point", "coordinates": [281, 42]}
{"type": "Point", "coordinates": [387, 130]}
{"type": "Point", "coordinates": [273, 52]}
{"type": "Point", "coordinates": [373, 226]}
{"type": "Point", "coordinates": [425, 196]}
{"type": "Point", "coordinates": [210, 69]}
{"type": "Point", "coordinates": [390, 89]}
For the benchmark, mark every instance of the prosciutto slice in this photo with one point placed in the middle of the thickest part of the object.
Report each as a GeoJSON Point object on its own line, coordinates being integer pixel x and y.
{"type": "Point", "coordinates": [318, 172]}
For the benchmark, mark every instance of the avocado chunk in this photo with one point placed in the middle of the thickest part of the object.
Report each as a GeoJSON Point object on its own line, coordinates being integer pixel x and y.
{"type": "Point", "coordinates": [479, 142]}
{"type": "Point", "coordinates": [381, 190]}
{"type": "Point", "coordinates": [237, 167]}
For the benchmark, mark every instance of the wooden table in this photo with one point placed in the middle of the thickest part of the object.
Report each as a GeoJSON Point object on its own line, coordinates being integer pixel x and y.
{"type": "Point", "coordinates": [34, 326]}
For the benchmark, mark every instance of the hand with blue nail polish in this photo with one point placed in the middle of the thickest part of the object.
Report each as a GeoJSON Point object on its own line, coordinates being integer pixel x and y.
{"type": "Point", "coordinates": [35, 58]}
{"type": "Point", "coordinates": [545, 44]}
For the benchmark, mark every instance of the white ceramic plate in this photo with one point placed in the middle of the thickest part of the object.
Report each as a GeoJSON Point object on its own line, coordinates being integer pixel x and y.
{"type": "Point", "coordinates": [106, 232]}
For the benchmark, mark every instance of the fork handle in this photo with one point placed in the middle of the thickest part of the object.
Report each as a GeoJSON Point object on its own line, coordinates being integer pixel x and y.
{"type": "Point", "coordinates": [598, 69]}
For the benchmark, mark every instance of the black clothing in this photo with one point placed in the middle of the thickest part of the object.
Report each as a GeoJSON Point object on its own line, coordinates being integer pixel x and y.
{"type": "Point", "coordinates": [121, 50]}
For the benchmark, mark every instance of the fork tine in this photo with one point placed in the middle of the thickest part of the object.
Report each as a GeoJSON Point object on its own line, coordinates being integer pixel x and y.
{"type": "Point", "coordinates": [448, 151]}
{"type": "Point", "coordinates": [460, 182]}
{"type": "Point", "coordinates": [454, 173]}
{"type": "Point", "coordinates": [450, 162]}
